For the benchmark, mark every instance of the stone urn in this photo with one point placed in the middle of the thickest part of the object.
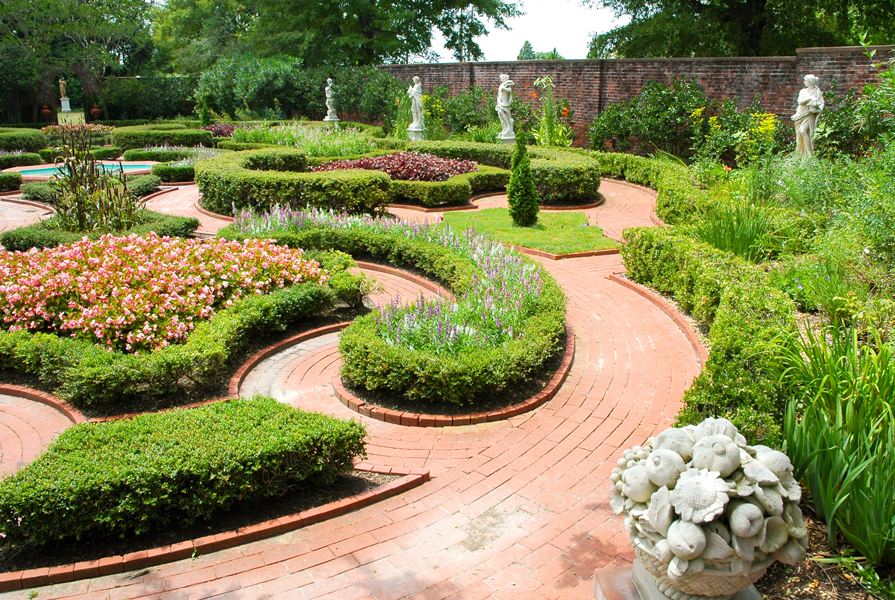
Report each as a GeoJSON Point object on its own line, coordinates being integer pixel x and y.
{"type": "Point", "coordinates": [96, 111]}
{"type": "Point", "coordinates": [46, 113]}
{"type": "Point", "coordinates": [707, 513]}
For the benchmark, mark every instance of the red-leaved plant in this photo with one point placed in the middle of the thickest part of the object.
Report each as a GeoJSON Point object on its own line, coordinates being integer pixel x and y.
{"type": "Point", "coordinates": [406, 166]}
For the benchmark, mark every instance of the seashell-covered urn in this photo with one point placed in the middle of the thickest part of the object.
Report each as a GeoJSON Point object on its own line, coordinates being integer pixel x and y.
{"type": "Point", "coordinates": [707, 513]}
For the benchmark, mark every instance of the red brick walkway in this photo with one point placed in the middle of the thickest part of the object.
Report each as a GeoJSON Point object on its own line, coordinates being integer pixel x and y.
{"type": "Point", "coordinates": [17, 214]}
{"type": "Point", "coordinates": [515, 510]}
{"type": "Point", "coordinates": [26, 427]}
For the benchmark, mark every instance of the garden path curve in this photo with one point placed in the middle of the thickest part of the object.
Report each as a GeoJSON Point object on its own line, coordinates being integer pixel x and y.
{"type": "Point", "coordinates": [515, 509]}
{"type": "Point", "coordinates": [14, 213]}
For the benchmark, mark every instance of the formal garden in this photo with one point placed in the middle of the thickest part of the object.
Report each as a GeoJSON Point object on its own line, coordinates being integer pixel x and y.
{"type": "Point", "coordinates": [783, 259]}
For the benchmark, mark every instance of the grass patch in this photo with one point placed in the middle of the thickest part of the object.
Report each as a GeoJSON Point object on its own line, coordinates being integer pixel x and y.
{"type": "Point", "coordinates": [557, 233]}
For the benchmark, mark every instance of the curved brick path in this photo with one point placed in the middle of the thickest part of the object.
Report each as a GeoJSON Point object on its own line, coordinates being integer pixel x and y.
{"type": "Point", "coordinates": [26, 427]}
{"type": "Point", "coordinates": [182, 201]}
{"type": "Point", "coordinates": [18, 214]}
{"type": "Point", "coordinates": [515, 509]}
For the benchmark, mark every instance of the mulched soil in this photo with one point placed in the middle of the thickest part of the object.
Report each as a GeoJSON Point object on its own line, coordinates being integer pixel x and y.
{"type": "Point", "coordinates": [300, 499]}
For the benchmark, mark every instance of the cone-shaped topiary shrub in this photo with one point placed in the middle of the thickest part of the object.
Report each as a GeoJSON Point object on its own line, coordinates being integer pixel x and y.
{"type": "Point", "coordinates": [521, 193]}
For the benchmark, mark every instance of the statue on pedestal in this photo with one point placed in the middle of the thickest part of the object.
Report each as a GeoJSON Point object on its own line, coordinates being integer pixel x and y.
{"type": "Point", "coordinates": [330, 103]}
{"type": "Point", "coordinates": [811, 104]}
{"type": "Point", "coordinates": [415, 93]}
{"type": "Point", "coordinates": [62, 89]}
{"type": "Point", "coordinates": [504, 100]}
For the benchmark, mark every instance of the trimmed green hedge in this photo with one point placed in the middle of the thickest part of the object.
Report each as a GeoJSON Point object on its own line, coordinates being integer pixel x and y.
{"type": "Point", "coordinates": [560, 175]}
{"type": "Point", "coordinates": [240, 146]}
{"type": "Point", "coordinates": [10, 181]}
{"type": "Point", "coordinates": [50, 155]}
{"type": "Point", "coordinates": [30, 140]}
{"type": "Point", "coordinates": [143, 185]}
{"type": "Point", "coordinates": [167, 172]}
{"type": "Point", "coordinates": [173, 134]}
{"type": "Point", "coordinates": [744, 311]}
{"type": "Point", "coordinates": [464, 379]}
{"type": "Point", "coordinates": [38, 191]}
{"type": "Point", "coordinates": [134, 475]}
{"type": "Point", "coordinates": [43, 235]}
{"type": "Point", "coordinates": [456, 190]}
{"type": "Point", "coordinates": [20, 160]}
{"type": "Point", "coordinates": [86, 374]}
{"type": "Point", "coordinates": [260, 179]}
{"type": "Point", "coordinates": [142, 154]}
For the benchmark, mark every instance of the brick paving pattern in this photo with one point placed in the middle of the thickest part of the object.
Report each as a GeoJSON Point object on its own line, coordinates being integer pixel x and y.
{"type": "Point", "coordinates": [26, 427]}
{"type": "Point", "coordinates": [516, 509]}
{"type": "Point", "coordinates": [15, 214]}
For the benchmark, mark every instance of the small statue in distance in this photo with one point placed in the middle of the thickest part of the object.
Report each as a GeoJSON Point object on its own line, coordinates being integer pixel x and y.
{"type": "Point", "coordinates": [331, 115]}
{"type": "Point", "coordinates": [415, 93]}
{"type": "Point", "coordinates": [811, 104]}
{"type": "Point", "coordinates": [62, 89]}
{"type": "Point", "coordinates": [504, 100]}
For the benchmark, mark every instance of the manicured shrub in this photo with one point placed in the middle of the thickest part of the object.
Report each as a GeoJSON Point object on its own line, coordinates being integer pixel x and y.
{"type": "Point", "coordinates": [19, 159]}
{"type": "Point", "coordinates": [435, 351]}
{"type": "Point", "coordinates": [143, 185]}
{"type": "Point", "coordinates": [10, 181]}
{"type": "Point", "coordinates": [174, 134]}
{"type": "Point", "coordinates": [47, 234]}
{"type": "Point", "coordinates": [168, 172]}
{"type": "Point", "coordinates": [238, 147]}
{"type": "Point", "coordinates": [30, 140]}
{"type": "Point", "coordinates": [265, 178]}
{"type": "Point", "coordinates": [134, 475]}
{"type": "Point", "coordinates": [521, 194]}
{"type": "Point", "coordinates": [157, 153]}
{"type": "Point", "coordinates": [38, 191]}
{"type": "Point", "coordinates": [50, 155]}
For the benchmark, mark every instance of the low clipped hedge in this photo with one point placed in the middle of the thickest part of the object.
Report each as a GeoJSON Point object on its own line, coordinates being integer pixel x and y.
{"type": "Point", "coordinates": [744, 312]}
{"type": "Point", "coordinates": [143, 185]}
{"type": "Point", "coordinates": [86, 374]}
{"type": "Point", "coordinates": [50, 155]}
{"type": "Point", "coordinates": [10, 181]}
{"type": "Point", "coordinates": [261, 179]}
{"type": "Point", "coordinates": [148, 154]}
{"type": "Point", "coordinates": [38, 191]}
{"type": "Point", "coordinates": [463, 379]}
{"type": "Point", "coordinates": [560, 175]}
{"type": "Point", "coordinates": [173, 134]}
{"type": "Point", "coordinates": [43, 234]}
{"type": "Point", "coordinates": [240, 146]}
{"type": "Point", "coordinates": [25, 159]}
{"type": "Point", "coordinates": [167, 172]}
{"type": "Point", "coordinates": [456, 190]}
{"type": "Point", "coordinates": [30, 140]}
{"type": "Point", "coordinates": [134, 475]}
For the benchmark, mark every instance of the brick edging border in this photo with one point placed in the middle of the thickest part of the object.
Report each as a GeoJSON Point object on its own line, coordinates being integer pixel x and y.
{"type": "Point", "coordinates": [45, 207]}
{"type": "Point", "coordinates": [669, 310]}
{"type": "Point", "coordinates": [420, 281]}
{"type": "Point", "coordinates": [213, 215]}
{"type": "Point", "coordinates": [426, 209]}
{"type": "Point", "coordinates": [154, 195]}
{"type": "Point", "coordinates": [549, 256]}
{"type": "Point", "coordinates": [423, 420]}
{"type": "Point", "coordinates": [20, 391]}
{"type": "Point", "coordinates": [410, 478]}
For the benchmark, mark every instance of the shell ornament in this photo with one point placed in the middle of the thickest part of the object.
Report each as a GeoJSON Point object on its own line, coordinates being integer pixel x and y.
{"type": "Point", "coordinates": [707, 513]}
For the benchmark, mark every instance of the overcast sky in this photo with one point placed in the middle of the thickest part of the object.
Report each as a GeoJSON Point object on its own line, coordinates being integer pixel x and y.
{"type": "Point", "coordinates": [563, 24]}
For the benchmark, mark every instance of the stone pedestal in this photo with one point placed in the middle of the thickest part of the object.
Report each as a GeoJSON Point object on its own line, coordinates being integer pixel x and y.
{"type": "Point", "coordinates": [330, 119]}
{"type": "Point", "coordinates": [415, 135]}
{"type": "Point", "coordinates": [66, 105]}
{"type": "Point", "coordinates": [635, 583]}
{"type": "Point", "coordinates": [508, 140]}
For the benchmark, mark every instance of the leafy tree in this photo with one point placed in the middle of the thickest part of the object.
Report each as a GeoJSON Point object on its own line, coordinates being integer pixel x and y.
{"type": "Point", "coordinates": [549, 55]}
{"type": "Point", "coordinates": [526, 52]}
{"type": "Point", "coordinates": [738, 27]}
{"type": "Point", "coordinates": [521, 193]}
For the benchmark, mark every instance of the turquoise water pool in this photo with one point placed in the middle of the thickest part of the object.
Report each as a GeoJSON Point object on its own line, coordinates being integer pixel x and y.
{"type": "Point", "coordinates": [50, 171]}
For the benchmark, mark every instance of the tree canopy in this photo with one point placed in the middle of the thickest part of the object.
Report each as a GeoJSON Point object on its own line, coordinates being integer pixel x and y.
{"type": "Point", "coordinates": [666, 28]}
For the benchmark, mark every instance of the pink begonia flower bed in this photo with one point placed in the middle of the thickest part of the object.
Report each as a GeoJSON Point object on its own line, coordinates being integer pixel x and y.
{"type": "Point", "coordinates": [139, 293]}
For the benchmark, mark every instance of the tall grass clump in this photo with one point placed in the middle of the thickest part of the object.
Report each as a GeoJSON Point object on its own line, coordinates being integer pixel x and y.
{"type": "Point", "coordinates": [744, 230]}
{"type": "Point", "coordinates": [310, 139]}
{"type": "Point", "coordinates": [840, 433]}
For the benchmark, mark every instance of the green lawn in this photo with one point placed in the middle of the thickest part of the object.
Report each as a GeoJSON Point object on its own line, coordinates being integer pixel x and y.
{"type": "Point", "coordinates": [556, 232]}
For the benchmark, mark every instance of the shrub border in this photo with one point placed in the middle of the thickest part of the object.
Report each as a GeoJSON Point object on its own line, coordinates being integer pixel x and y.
{"type": "Point", "coordinates": [410, 478]}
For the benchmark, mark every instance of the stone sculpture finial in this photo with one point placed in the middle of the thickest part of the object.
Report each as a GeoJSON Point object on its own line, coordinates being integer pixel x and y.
{"type": "Point", "coordinates": [707, 514]}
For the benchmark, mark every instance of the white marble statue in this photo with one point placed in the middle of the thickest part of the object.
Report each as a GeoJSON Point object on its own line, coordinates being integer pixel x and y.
{"type": "Point", "coordinates": [504, 100]}
{"type": "Point", "coordinates": [331, 115]}
{"type": "Point", "coordinates": [707, 513]}
{"type": "Point", "coordinates": [415, 93]}
{"type": "Point", "coordinates": [811, 104]}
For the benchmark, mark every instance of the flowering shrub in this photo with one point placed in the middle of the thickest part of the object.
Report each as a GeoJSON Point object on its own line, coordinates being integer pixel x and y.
{"type": "Point", "coordinates": [77, 129]}
{"type": "Point", "coordinates": [195, 156]}
{"type": "Point", "coordinates": [139, 293]}
{"type": "Point", "coordinates": [406, 166]}
{"type": "Point", "coordinates": [11, 152]}
{"type": "Point", "coordinates": [220, 129]}
{"type": "Point", "coordinates": [491, 310]}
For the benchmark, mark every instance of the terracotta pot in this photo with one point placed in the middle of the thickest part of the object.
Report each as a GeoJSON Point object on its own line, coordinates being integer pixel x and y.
{"type": "Point", "coordinates": [96, 111]}
{"type": "Point", "coordinates": [46, 113]}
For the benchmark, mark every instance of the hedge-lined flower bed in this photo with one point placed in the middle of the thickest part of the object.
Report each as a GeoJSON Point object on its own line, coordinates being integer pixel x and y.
{"type": "Point", "coordinates": [405, 166]}
{"type": "Point", "coordinates": [183, 169]}
{"type": "Point", "coordinates": [134, 475]}
{"type": "Point", "coordinates": [174, 134]}
{"type": "Point", "coordinates": [18, 158]}
{"type": "Point", "coordinates": [504, 323]}
{"type": "Point", "coordinates": [29, 140]}
{"type": "Point", "coordinates": [49, 155]}
{"type": "Point", "coordinates": [47, 234]}
{"type": "Point", "coordinates": [139, 292]}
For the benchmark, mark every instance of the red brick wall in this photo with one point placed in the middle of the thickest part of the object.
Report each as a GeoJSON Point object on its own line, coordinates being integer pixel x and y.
{"type": "Point", "coordinates": [592, 84]}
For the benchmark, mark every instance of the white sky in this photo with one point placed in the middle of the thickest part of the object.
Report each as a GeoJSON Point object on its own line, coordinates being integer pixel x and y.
{"type": "Point", "coordinates": [563, 24]}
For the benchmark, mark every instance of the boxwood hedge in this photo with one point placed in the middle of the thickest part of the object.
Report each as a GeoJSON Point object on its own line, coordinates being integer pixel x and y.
{"type": "Point", "coordinates": [30, 140]}
{"type": "Point", "coordinates": [173, 134]}
{"type": "Point", "coordinates": [261, 179]}
{"type": "Point", "coordinates": [10, 181]}
{"type": "Point", "coordinates": [167, 172]}
{"type": "Point", "coordinates": [463, 379]}
{"type": "Point", "coordinates": [133, 475]}
{"type": "Point", "coordinates": [44, 234]}
{"type": "Point", "coordinates": [50, 155]}
{"type": "Point", "coordinates": [26, 159]}
{"type": "Point", "coordinates": [157, 155]}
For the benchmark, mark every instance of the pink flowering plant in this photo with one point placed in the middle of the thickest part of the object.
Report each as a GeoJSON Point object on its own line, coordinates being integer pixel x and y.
{"type": "Point", "coordinates": [140, 293]}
